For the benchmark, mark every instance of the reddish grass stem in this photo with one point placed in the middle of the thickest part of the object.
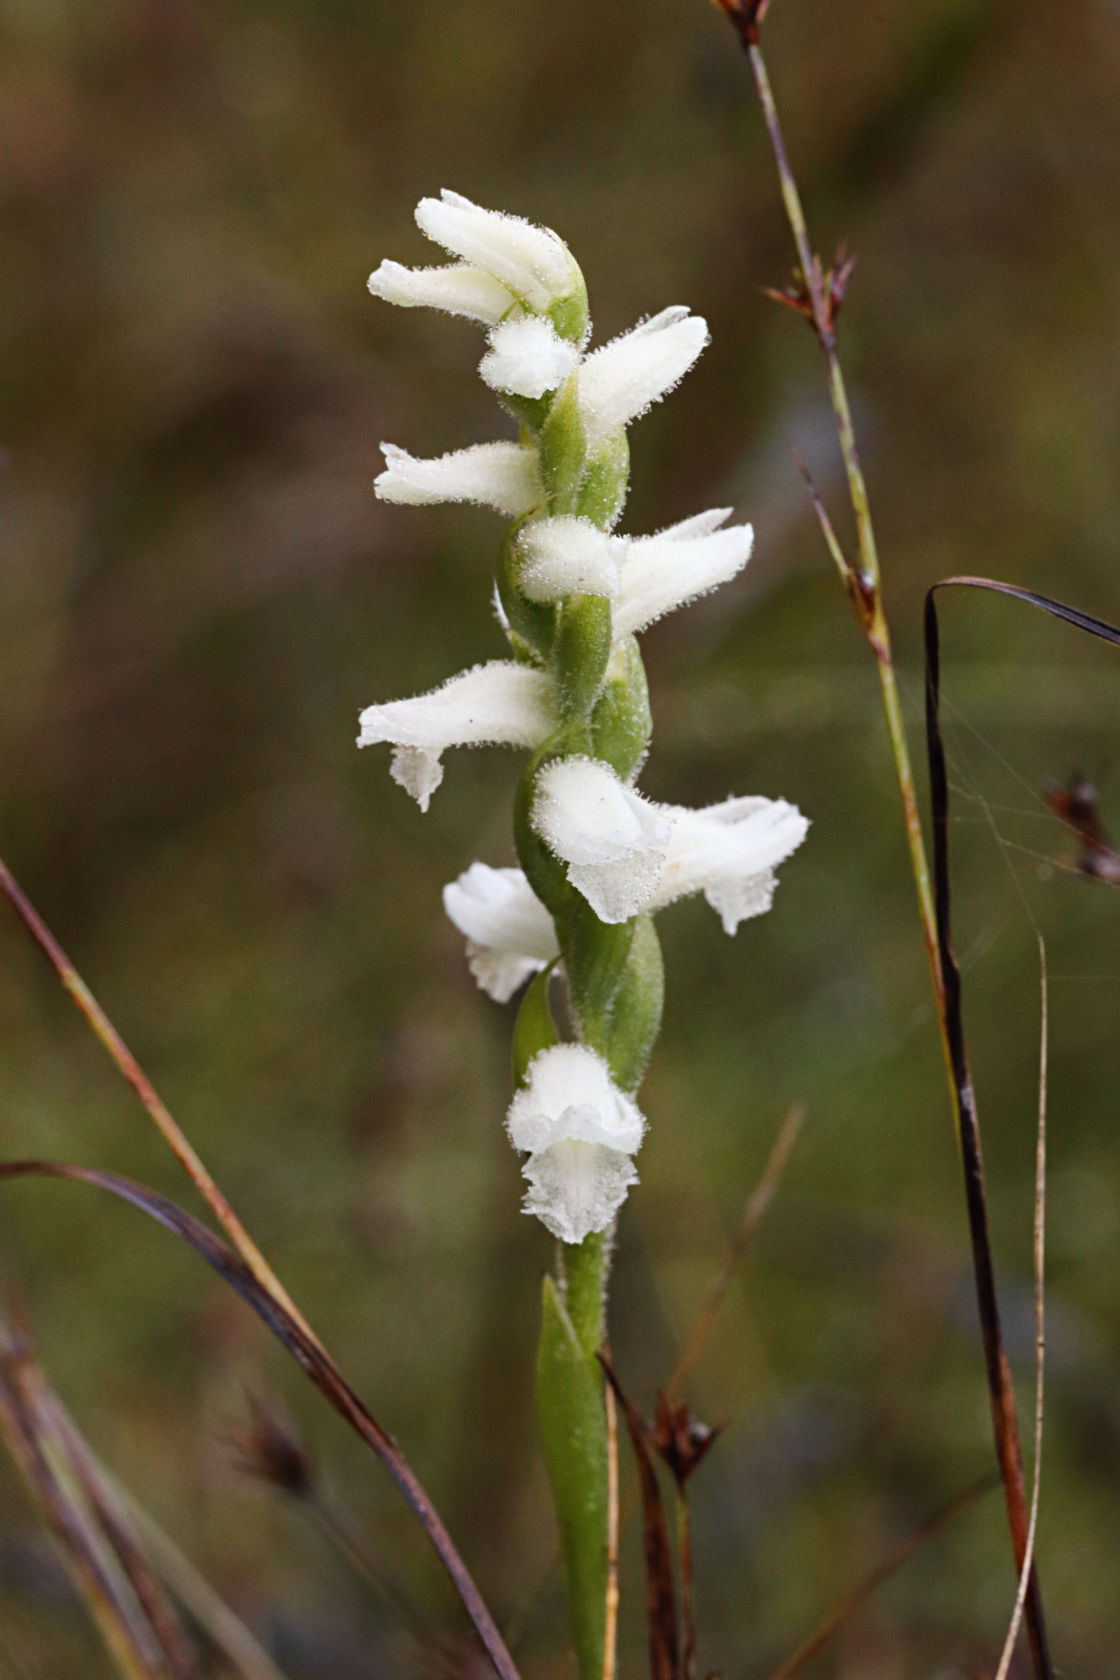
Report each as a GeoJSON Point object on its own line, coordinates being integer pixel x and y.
{"type": "Point", "coordinates": [820, 303]}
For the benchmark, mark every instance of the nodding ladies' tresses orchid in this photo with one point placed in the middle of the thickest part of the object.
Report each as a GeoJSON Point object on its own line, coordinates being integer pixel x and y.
{"type": "Point", "coordinates": [596, 858]}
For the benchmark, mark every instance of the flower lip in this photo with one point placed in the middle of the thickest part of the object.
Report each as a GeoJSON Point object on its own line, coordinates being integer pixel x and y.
{"type": "Point", "coordinates": [527, 357]}
{"type": "Point", "coordinates": [612, 840]}
{"type": "Point", "coordinates": [579, 1131]}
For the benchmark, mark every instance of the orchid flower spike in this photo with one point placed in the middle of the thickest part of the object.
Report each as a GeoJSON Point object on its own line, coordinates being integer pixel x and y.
{"type": "Point", "coordinates": [572, 596]}
{"type": "Point", "coordinates": [499, 704]}
{"type": "Point", "coordinates": [580, 1132]}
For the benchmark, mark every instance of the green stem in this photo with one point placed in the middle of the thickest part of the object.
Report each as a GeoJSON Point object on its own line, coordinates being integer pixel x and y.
{"type": "Point", "coordinates": [867, 587]}
{"type": "Point", "coordinates": [584, 1268]}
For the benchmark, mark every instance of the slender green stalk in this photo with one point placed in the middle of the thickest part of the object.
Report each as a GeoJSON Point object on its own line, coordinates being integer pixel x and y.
{"type": "Point", "coordinates": [864, 585]}
{"type": "Point", "coordinates": [584, 1268]}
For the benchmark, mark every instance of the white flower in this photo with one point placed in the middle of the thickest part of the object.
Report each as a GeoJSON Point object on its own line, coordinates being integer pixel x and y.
{"type": "Point", "coordinates": [729, 853]}
{"type": "Point", "coordinates": [627, 855]}
{"type": "Point", "coordinates": [533, 262]}
{"type": "Point", "coordinates": [579, 1131]}
{"type": "Point", "coordinates": [502, 703]}
{"type": "Point", "coordinates": [527, 357]}
{"type": "Point", "coordinates": [620, 381]}
{"type": "Point", "coordinates": [510, 934]}
{"type": "Point", "coordinates": [612, 839]}
{"type": "Point", "coordinates": [499, 475]}
{"type": "Point", "coordinates": [568, 556]}
{"type": "Point", "coordinates": [665, 571]}
{"type": "Point", "coordinates": [459, 290]}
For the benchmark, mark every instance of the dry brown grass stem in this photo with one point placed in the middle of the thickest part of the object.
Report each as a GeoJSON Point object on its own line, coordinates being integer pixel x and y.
{"type": "Point", "coordinates": [830, 1627]}
{"type": "Point", "coordinates": [757, 1206]}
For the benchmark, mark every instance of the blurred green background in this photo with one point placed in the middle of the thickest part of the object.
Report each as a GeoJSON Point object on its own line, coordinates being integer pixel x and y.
{"type": "Point", "coordinates": [197, 593]}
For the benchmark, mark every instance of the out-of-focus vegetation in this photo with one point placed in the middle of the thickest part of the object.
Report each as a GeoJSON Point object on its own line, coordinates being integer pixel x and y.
{"type": "Point", "coordinates": [197, 593]}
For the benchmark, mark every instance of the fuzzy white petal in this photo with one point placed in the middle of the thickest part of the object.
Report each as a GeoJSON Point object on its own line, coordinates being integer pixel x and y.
{"type": "Point", "coordinates": [418, 770]}
{"type": "Point", "coordinates": [458, 290]}
{"type": "Point", "coordinates": [527, 357]}
{"type": "Point", "coordinates": [580, 1131]}
{"type": "Point", "coordinates": [510, 934]}
{"type": "Point", "coordinates": [729, 853]}
{"type": "Point", "coordinates": [532, 261]}
{"type": "Point", "coordinates": [677, 565]}
{"type": "Point", "coordinates": [504, 476]}
{"type": "Point", "coordinates": [586, 813]}
{"type": "Point", "coordinates": [612, 840]}
{"type": "Point", "coordinates": [568, 556]}
{"type": "Point", "coordinates": [576, 1187]}
{"type": "Point", "coordinates": [620, 381]}
{"type": "Point", "coordinates": [503, 703]}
